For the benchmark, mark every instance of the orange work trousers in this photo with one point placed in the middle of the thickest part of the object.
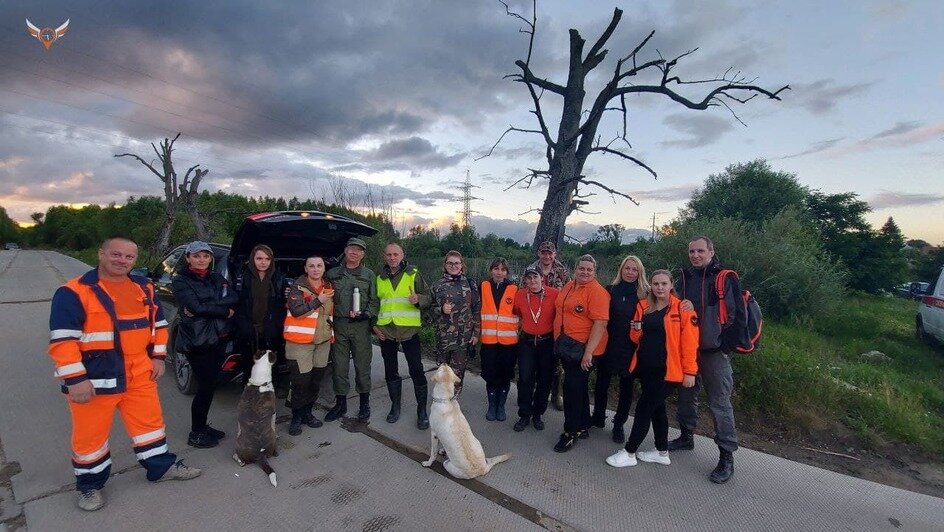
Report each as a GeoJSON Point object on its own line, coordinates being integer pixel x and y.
{"type": "Point", "coordinates": [140, 410]}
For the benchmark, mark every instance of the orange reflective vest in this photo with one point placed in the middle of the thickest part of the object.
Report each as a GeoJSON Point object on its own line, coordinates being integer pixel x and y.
{"type": "Point", "coordinates": [89, 340]}
{"type": "Point", "coordinates": [499, 325]}
{"type": "Point", "coordinates": [301, 330]}
{"type": "Point", "coordinates": [681, 339]}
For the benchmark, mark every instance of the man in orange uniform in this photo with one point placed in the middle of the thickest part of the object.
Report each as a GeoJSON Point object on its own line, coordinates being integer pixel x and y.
{"type": "Point", "coordinates": [108, 341]}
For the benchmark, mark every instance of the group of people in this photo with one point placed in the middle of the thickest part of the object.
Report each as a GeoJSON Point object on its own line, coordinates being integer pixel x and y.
{"type": "Point", "coordinates": [108, 342]}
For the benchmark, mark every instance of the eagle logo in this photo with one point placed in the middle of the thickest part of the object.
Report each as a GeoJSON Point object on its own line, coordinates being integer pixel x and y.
{"type": "Point", "coordinates": [47, 36]}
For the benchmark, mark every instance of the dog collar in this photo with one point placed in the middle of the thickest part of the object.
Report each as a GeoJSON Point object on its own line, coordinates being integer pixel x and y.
{"type": "Point", "coordinates": [437, 400]}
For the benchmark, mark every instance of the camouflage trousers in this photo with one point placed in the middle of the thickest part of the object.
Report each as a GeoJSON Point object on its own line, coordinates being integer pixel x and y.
{"type": "Point", "coordinates": [457, 360]}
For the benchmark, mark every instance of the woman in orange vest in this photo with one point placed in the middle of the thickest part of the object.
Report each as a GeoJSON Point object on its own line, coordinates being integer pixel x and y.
{"type": "Point", "coordinates": [666, 337]}
{"type": "Point", "coordinates": [308, 335]}
{"type": "Point", "coordinates": [499, 337]}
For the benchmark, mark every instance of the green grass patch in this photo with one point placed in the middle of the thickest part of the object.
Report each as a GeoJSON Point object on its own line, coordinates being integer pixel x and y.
{"type": "Point", "coordinates": [812, 372]}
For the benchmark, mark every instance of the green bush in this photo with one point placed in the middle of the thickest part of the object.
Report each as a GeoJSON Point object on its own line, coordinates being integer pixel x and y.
{"type": "Point", "coordinates": [780, 261]}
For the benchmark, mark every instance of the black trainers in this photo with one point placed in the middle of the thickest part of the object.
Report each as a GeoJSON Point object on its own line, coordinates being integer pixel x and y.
{"type": "Point", "coordinates": [565, 443]}
{"type": "Point", "coordinates": [583, 434]}
{"type": "Point", "coordinates": [538, 423]}
{"type": "Point", "coordinates": [685, 442]}
{"type": "Point", "coordinates": [215, 433]}
{"type": "Point", "coordinates": [522, 424]}
{"type": "Point", "coordinates": [202, 440]}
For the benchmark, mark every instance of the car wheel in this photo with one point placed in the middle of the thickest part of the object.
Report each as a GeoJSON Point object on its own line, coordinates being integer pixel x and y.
{"type": "Point", "coordinates": [183, 376]}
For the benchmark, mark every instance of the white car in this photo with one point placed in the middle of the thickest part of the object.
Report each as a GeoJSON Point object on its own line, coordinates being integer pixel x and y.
{"type": "Point", "coordinates": [929, 322]}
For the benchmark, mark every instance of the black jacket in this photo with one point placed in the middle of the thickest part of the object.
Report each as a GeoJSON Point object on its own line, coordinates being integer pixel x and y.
{"type": "Point", "coordinates": [698, 286]}
{"type": "Point", "coordinates": [207, 297]}
{"type": "Point", "coordinates": [619, 348]}
{"type": "Point", "coordinates": [275, 315]}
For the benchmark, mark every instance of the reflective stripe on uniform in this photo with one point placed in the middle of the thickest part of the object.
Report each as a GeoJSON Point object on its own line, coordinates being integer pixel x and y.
{"type": "Point", "coordinates": [502, 334]}
{"type": "Point", "coordinates": [160, 323]}
{"type": "Point", "coordinates": [160, 349]}
{"type": "Point", "coordinates": [395, 305]}
{"type": "Point", "coordinates": [92, 456]}
{"type": "Point", "coordinates": [299, 329]}
{"type": "Point", "coordinates": [88, 338]}
{"type": "Point", "coordinates": [104, 383]}
{"type": "Point", "coordinates": [499, 324]}
{"type": "Point", "coordinates": [59, 334]}
{"type": "Point", "coordinates": [144, 455]}
{"type": "Point", "coordinates": [69, 369]}
{"type": "Point", "coordinates": [92, 470]}
{"type": "Point", "coordinates": [148, 436]}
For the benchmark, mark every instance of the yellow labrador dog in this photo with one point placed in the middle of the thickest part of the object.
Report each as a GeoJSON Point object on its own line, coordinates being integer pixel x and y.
{"type": "Point", "coordinates": [449, 428]}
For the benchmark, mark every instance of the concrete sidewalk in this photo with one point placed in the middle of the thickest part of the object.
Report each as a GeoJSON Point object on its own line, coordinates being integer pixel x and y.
{"type": "Point", "coordinates": [349, 476]}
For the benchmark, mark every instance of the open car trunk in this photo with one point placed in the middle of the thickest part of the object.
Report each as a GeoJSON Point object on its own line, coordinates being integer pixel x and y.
{"type": "Point", "coordinates": [294, 236]}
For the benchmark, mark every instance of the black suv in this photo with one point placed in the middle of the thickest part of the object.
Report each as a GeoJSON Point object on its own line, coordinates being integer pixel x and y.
{"type": "Point", "coordinates": [292, 235]}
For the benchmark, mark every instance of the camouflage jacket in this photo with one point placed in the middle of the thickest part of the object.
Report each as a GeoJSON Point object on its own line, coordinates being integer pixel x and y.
{"type": "Point", "coordinates": [558, 276]}
{"type": "Point", "coordinates": [455, 331]}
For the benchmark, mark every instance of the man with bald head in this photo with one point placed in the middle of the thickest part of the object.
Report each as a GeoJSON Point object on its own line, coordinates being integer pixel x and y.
{"type": "Point", "coordinates": [402, 293]}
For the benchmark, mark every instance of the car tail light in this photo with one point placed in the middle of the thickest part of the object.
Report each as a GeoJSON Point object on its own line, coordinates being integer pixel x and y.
{"type": "Point", "coordinates": [231, 362]}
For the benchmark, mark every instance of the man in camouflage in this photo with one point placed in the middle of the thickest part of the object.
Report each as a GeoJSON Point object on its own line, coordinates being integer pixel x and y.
{"type": "Point", "coordinates": [352, 328]}
{"type": "Point", "coordinates": [556, 276]}
{"type": "Point", "coordinates": [455, 305]}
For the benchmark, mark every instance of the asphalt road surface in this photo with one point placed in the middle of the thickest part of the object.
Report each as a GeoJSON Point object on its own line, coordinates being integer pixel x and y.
{"type": "Point", "coordinates": [349, 476]}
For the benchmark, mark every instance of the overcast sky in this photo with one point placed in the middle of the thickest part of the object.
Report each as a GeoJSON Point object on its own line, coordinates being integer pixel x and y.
{"type": "Point", "coordinates": [404, 95]}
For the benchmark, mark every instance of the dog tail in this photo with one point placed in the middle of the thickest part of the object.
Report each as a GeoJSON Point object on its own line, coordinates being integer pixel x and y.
{"type": "Point", "coordinates": [266, 468]}
{"type": "Point", "coordinates": [493, 461]}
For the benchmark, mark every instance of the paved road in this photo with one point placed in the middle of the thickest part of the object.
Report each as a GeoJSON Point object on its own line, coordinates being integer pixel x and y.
{"type": "Point", "coordinates": [353, 477]}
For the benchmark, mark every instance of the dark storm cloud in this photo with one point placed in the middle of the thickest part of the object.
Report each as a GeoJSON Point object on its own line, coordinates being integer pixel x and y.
{"type": "Point", "coordinates": [702, 129]}
{"type": "Point", "coordinates": [888, 198]}
{"type": "Point", "coordinates": [246, 72]}
{"type": "Point", "coordinates": [413, 152]}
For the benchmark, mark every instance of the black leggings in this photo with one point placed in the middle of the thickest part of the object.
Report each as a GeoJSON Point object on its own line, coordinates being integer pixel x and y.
{"type": "Point", "coordinates": [650, 409]}
{"type": "Point", "coordinates": [601, 394]}
{"type": "Point", "coordinates": [205, 363]}
{"type": "Point", "coordinates": [412, 351]}
{"type": "Point", "coordinates": [498, 364]}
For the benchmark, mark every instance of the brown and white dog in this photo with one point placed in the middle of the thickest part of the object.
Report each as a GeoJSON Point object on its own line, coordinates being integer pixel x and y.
{"type": "Point", "coordinates": [448, 427]}
{"type": "Point", "coordinates": [255, 437]}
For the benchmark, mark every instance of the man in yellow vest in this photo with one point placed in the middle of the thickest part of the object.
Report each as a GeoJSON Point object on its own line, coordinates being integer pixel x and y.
{"type": "Point", "coordinates": [402, 293]}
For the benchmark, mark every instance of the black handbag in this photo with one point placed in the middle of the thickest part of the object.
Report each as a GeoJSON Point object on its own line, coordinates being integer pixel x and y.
{"type": "Point", "coordinates": [198, 332]}
{"type": "Point", "coordinates": [566, 348]}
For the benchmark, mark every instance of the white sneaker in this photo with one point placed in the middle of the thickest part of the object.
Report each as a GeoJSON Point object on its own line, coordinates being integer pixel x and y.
{"type": "Point", "coordinates": [621, 459]}
{"type": "Point", "coordinates": [654, 456]}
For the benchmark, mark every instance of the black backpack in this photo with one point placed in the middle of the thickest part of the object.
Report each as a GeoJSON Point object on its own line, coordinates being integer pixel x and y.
{"type": "Point", "coordinates": [741, 326]}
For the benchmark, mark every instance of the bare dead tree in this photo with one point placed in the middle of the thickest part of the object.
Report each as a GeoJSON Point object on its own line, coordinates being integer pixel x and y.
{"type": "Point", "coordinates": [178, 195]}
{"type": "Point", "coordinates": [576, 137]}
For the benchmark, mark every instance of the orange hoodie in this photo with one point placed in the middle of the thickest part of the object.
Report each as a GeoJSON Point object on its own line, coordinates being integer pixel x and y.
{"type": "Point", "coordinates": [681, 340]}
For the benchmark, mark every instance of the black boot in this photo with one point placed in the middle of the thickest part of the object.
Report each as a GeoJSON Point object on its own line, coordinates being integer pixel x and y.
{"type": "Point", "coordinates": [363, 412]}
{"type": "Point", "coordinates": [685, 441]}
{"type": "Point", "coordinates": [492, 402]}
{"type": "Point", "coordinates": [338, 410]}
{"type": "Point", "coordinates": [725, 468]}
{"type": "Point", "coordinates": [522, 423]}
{"type": "Point", "coordinates": [500, 404]}
{"type": "Point", "coordinates": [295, 427]}
{"type": "Point", "coordinates": [396, 391]}
{"type": "Point", "coordinates": [422, 419]}
{"type": "Point", "coordinates": [308, 417]}
{"type": "Point", "coordinates": [598, 419]}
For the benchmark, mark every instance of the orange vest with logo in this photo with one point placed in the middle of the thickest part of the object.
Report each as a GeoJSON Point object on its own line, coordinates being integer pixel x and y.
{"type": "Point", "coordinates": [499, 325]}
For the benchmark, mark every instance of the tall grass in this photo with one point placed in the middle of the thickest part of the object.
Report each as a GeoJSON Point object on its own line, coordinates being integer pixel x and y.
{"type": "Point", "coordinates": [806, 372]}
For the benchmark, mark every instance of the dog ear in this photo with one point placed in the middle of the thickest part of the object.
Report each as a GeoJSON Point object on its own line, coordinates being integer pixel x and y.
{"type": "Point", "coordinates": [272, 356]}
{"type": "Point", "coordinates": [259, 354]}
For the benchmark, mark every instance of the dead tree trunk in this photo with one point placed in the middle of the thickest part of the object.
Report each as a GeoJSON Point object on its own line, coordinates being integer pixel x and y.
{"type": "Point", "coordinates": [176, 197]}
{"type": "Point", "coordinates": [577, 138]}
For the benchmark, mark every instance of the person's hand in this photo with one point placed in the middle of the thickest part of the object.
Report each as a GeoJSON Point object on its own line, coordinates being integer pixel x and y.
{"type": "Point", "coordinates": [157, 368]}
{"type": "Point", "coordinates": [414, 299]}
{"type": "Point", "coordinates": [355, 315]}
{"type": "Point", "coordinates": [447, 307]}
{"type": "Point", "coordinates": [188, 313]}
{"type": "Point", "coordinates": [688, 381]}
{"type": "Point", "coordinates": [380, 334]}
{"type": "Point", "coordinates": [587, 361]}
{"type": "Point", "coordinates": [687, 305]}
{"type": "Point", "coordinates": [325, 296]}
{"type": "Point", "coordinates": [473, 340]}
{"type": "Point", "coordinates": [230, 314]}
{"type": "Point", "coordinates": [81, 392]}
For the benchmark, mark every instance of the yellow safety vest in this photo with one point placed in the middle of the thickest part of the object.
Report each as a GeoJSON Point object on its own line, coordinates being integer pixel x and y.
{"type": "Point", "coordinates": [395, 306]}
{"type": "Point", "coordinates": [499, 325]}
